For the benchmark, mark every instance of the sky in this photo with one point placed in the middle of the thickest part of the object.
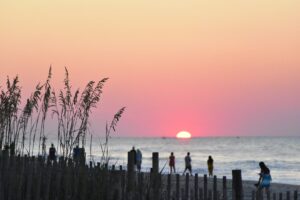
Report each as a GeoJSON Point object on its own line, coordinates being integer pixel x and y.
{"type": "Point", "coordinates": [213, 68]}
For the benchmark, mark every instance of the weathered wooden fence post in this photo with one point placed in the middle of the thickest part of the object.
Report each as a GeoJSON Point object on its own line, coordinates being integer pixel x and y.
{"type": "Point", "coordinates": [155, 162]}
{"type": "Point", "coordinates": [130, 171]}
{"type": "Point", "coordinates": [215, 189]}
{"type": "Point", "coordinates": [280, 196]}
{"type": "Point", "coordinates": [187, 187]}
{"type": "Point", "coordinates": [155, 175]}
{"type": "Point", "coordinates": [123, 184]}
{"type": "Point", "coordinates": [177, 186]}
{"type": "Point", "coordinates": [169, 187]}
{"type": "Point", "coordinates": [237, 186]}
{"type": "Point", "coordinates": [205, 187]}
{"type": "Point", "coordinates": [224, 188]}
{"type": "Point", "coordinates": [295, 195]}
{"type": "Point", "coordinates": [196, 187]}
{"type": "Point", "coordinates": [141, 185]}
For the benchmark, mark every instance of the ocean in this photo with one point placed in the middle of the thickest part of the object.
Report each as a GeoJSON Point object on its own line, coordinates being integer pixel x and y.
{"type": "Point", "coordinates": [280, 154]}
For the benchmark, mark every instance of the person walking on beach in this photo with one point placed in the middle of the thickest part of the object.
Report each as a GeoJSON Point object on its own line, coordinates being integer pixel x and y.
{"type": "Point", "coordinates": [172, 163]}
{"type": "Point", "coordinates": [265, 178]}
{"type": "Point", "coordinates": [210, 166]}
{"type": "Point", "coordinates": [52, 153]}
{"type": "Point", "coordinates": [188, 163]}
{"type": "Point", "coordinates": [139, 158]}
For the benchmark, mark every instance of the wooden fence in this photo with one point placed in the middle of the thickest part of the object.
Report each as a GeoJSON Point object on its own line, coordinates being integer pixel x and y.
{"type": "Point", "coordinates": [33, 179]}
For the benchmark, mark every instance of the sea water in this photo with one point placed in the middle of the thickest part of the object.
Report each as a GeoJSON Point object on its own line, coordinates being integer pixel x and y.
{"type": "Point", "coordinates": [280, 154]}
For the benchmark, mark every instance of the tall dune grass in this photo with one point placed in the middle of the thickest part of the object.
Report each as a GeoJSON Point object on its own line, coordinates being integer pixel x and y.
{"type": "Point", "coordinates": [71, 110]}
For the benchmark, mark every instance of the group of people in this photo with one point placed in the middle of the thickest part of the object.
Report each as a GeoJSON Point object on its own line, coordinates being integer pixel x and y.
{"type": "Point", "coordinates": [78, 154]}
{"type": "Point", "coordinates": [264, 175]}
{"type": "Point", "coordinates": [188, 164]}
{"type": "Point", "coordinates": [137, 158]}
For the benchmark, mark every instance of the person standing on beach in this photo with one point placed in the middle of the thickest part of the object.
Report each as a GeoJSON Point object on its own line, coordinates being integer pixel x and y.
{"type": "Point", "coordinates": [134, 155]}
{"type": "Point", "coordinates": [188, 163]}
{"type": "Point", "coordinates": [264, 177]}
{"type": "Point", "coordinates": [139, 158]}
{"type": "Point", "coordinates": [52, 153]}
{"type": "Point", "coordinates": [210, 166]}
{"type": "Point", "coordinates": [172, 163]}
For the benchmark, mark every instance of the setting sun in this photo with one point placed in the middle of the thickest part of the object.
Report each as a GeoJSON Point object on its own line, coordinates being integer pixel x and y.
{"type": "Point", "coordinates": [183, 134]}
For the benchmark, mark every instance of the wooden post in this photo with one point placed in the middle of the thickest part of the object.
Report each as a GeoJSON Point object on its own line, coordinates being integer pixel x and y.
{"type": "Point", "coordinates": [295, 195]}
{"type": "Point", "coordinates": [177, 186]}
{"type": "Point", "coordinates": [288, 195]}
{"type": "Point", "coordinates": [215, 194]}
{"type": "Point", "coordinates": [155, 174]}
{"type": "Point", "coordinates": [187, 188]}
{"type": "Point", "coordinates": [141, 185]}
{"type": "Point", "coordinates": [155, 162]}
{"type": "Point", "coordinates": [123, 184]}
{"type": "Point", "coordinates": [196, 187]}
{"type": "Point", "coordinates": [224, 188]}
{"type": "Point", "coordinates": [205, 186]}
{"type": "Point", "coordinates": [237, 186]}
{"type": "Point", "coordinates": [130, 171]}
{"type": "Point", "coordinates": [169, 187]}
{"type": "Point", "coordinates": [280, 196]}
{"type": "Point", "coordinates": [274, 196]}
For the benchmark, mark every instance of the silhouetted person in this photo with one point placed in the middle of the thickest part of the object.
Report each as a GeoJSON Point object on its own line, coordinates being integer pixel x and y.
{"type": "Point", "coordinates": [210, 166]}
{"type": "Point", "coordinates": [134, 155]}
{"type": "Point", "coordinates": [138, 158]}
{"type": "Point", "coordinates": [76, 153]}
{"type": "Point", "coordinates": [52, 153]}
{"type": "Point", "coordinates": [264, 177]}
{"type": "Point", "coordinates": [188, 163]}
{"type": "Point", "coordinates": [172, 163]}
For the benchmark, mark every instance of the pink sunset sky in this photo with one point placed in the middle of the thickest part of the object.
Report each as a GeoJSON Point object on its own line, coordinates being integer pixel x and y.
{"type": "Point", "coordinates": [213, 68]}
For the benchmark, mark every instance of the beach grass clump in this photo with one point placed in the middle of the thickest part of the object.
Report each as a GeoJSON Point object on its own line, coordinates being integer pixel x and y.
{"type": "Point", "coordinates": [22, 129]}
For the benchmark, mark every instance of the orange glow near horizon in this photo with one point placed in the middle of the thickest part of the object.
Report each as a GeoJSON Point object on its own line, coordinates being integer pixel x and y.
{"type": "Point", "coordinates": [183, 135]}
